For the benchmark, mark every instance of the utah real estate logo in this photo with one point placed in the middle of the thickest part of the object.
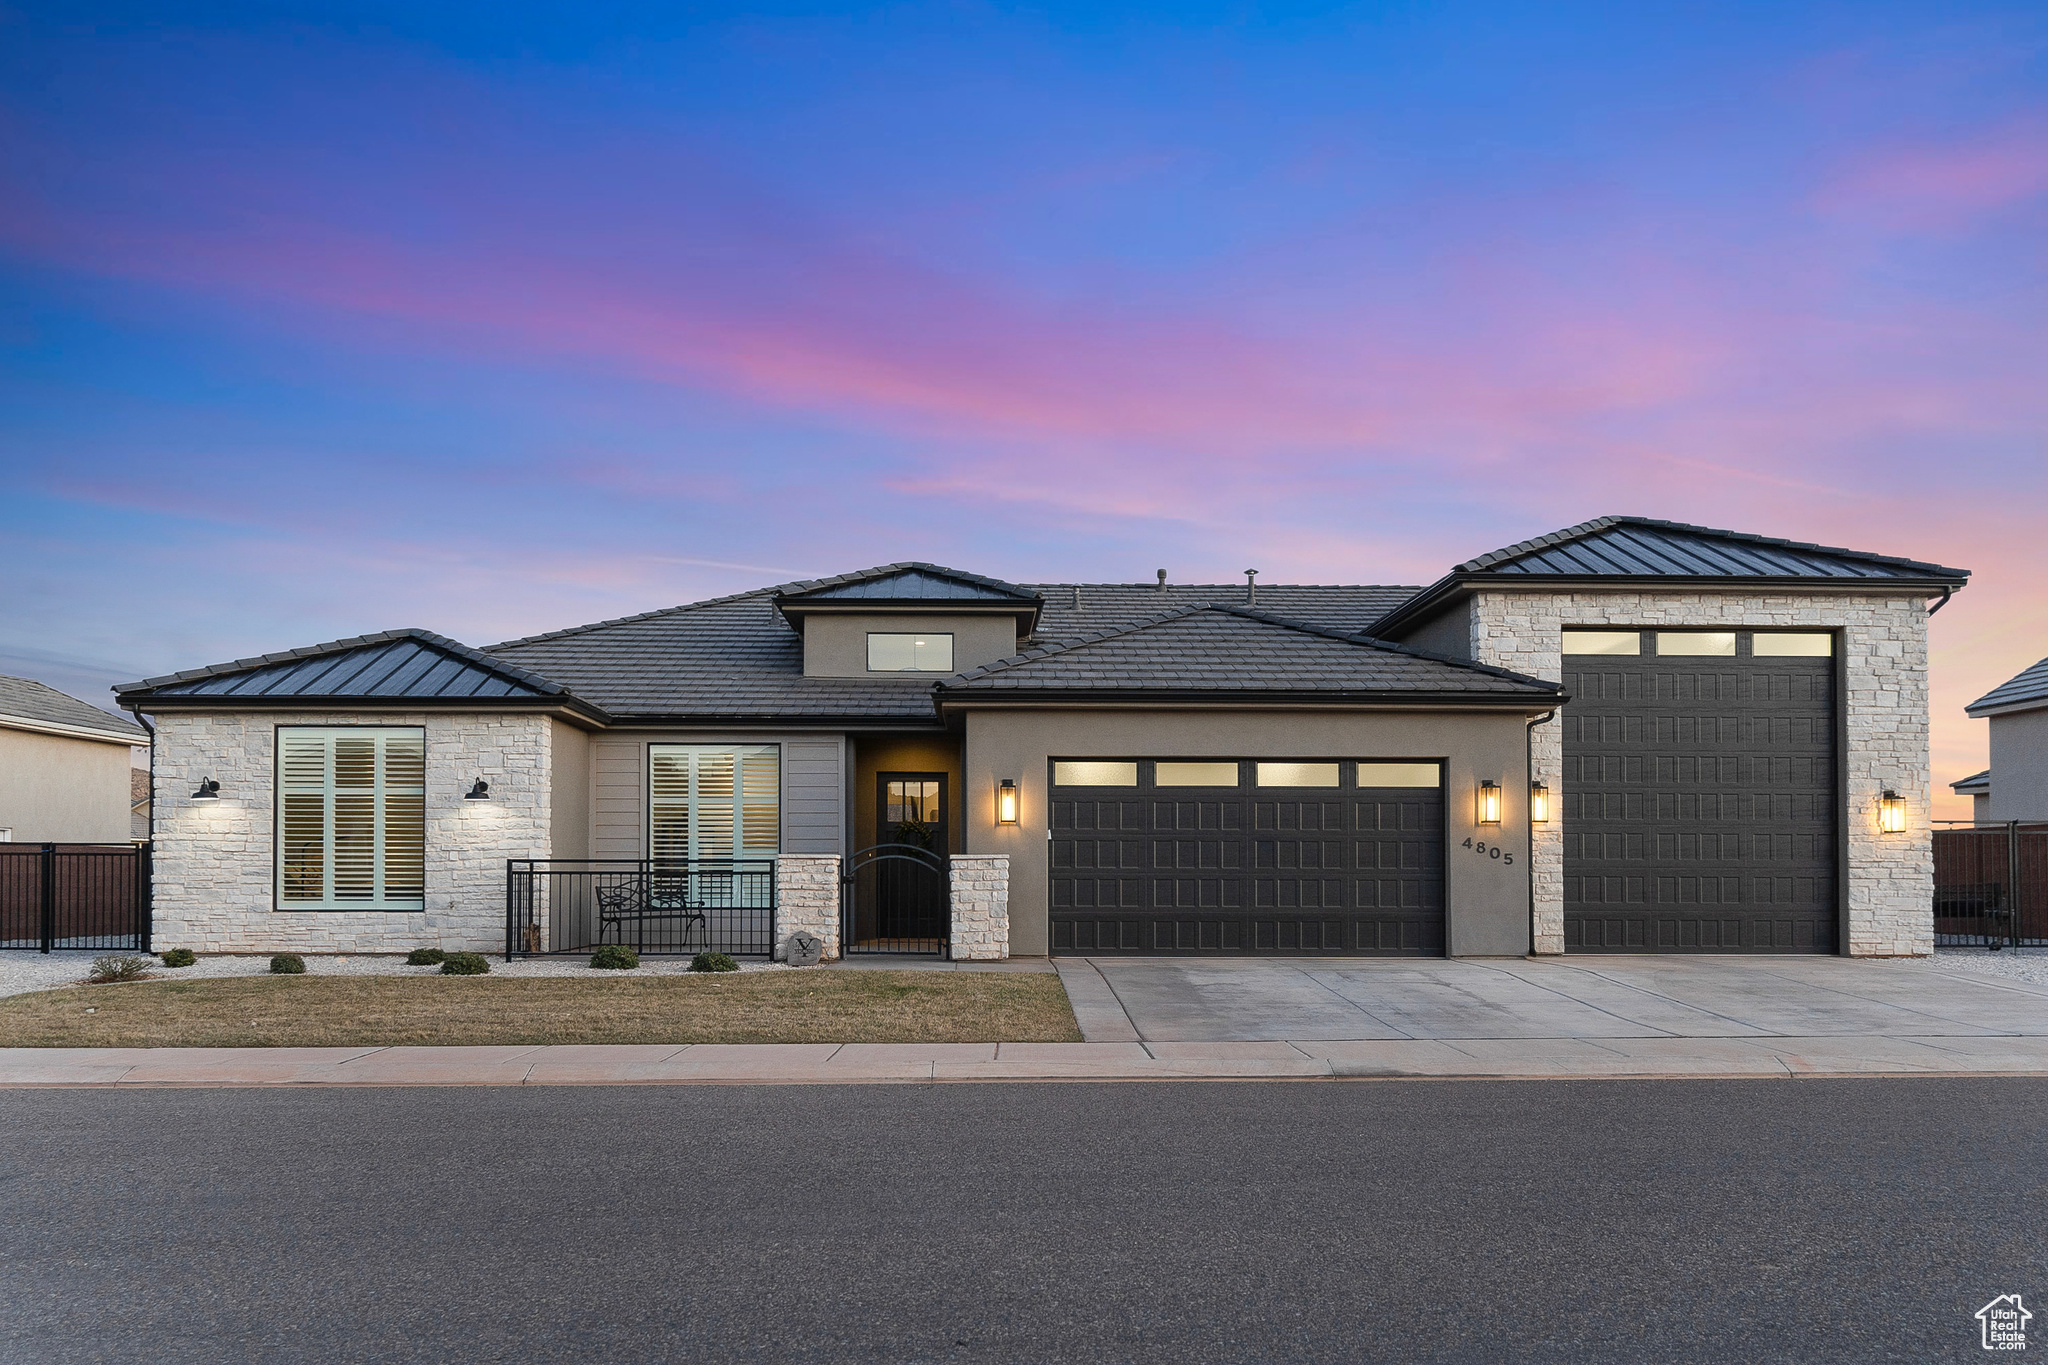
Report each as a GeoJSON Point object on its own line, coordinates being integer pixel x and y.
{"type": "Point", "coordinates": [2004, 1321]}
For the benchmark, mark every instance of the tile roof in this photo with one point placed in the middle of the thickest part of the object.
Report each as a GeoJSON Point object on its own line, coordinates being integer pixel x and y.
{"type": "Point", "coordinates": [1637, 546]}
{"type": "Point", "coordinates": [736, 658]}
{"type": "Point", "coordinates": [2024, 691]}
{"type": "Point", "coordinates": [1971, 785]}
{"type": "Point", "coordinates": [1224, 649]}
{"type": "Point", "coordinates": [33, 701]}
{"type": "Point", "coordinates": [390, 665]}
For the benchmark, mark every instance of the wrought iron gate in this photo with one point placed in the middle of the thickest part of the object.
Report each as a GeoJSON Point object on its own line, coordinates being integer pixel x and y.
{"type": "Point", "coordinates": [895, 898]}
{"type": "Point", "coordinates": [91, 896]}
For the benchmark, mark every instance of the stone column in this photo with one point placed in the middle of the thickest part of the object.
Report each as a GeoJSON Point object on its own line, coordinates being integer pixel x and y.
{"type": "Point", "coordinates": [981, 907]}
{"type": "Point", "coordinates": [807, 899]}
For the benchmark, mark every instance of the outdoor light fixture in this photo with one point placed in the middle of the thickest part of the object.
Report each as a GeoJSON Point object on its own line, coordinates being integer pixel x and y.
{"type": "Point", "coordinates": [1489, 803]}
{"type": "Point", "coordinates": [1539, 804]}
{"type": "Point", "coordinates": [209, 790]}
{"type": "Point", "coordinates": [480, 792]}
{"type": "Point", "coordinates": [1891, 813]}
{"type": "Point", "coordinates": [1006, 801]}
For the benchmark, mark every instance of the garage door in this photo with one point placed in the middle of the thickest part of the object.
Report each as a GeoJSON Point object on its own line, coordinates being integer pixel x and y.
{"type": "Point", "coordinates": [1252, 856]}
{"type": "Point", "coordinates": [1699, 792]}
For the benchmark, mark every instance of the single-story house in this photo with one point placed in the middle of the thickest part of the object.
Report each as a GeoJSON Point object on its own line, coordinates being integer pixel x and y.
{"type": "Point", "coordinates": [1627, 736]}
{"type": "Point", "coordinates": [2015, 786]}
{"type": "Point", "coordinates": [64, 767]}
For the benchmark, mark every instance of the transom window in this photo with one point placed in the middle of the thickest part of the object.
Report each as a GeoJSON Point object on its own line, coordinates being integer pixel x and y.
{"type": "Point", "coordinates": [909, 652]}
{"type": "Point", "coordinates": [351, 818]}
{"type": "Point", "coordinates": [714, 801]}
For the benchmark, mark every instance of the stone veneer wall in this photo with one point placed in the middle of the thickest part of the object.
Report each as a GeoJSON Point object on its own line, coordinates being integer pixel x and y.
{"type": "Point", "coordinates": [1889, 879]}
{"type": "Point", "coordinates": [214, 860]}
{"type": "Point", "coordinates": [807, 900]}
{"type": "Point", "coordinates": [981, 907]}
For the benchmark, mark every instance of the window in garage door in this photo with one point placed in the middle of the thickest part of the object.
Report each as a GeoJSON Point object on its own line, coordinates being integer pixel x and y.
{"type": "Point", "coordinates": [1699, 791]}
{"type": "Point", "coordinates": [1259, 855]}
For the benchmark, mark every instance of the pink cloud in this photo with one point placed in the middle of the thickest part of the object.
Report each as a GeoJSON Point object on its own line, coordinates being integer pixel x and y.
{"type": "Point", "coordinates": [1943, 186]}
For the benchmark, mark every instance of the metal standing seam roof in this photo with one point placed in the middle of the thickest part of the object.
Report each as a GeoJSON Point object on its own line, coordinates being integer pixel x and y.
{"type": "Point", "coordinates": [1638, 546]}
{"type": "Point", "coordinates": [2023, 691]}
{"type": "Point", "coordinates": [33, 701]}
{"type": "Point", "coordinates": [410, 665]}
{"type": "Point", "coordinates": [1212, 649]}
{"type": "Point", "coordinates": [910, 580]}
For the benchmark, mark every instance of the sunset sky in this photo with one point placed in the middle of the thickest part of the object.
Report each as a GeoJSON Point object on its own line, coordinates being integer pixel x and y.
{"type": "Point", "coordinates": [494, 319]}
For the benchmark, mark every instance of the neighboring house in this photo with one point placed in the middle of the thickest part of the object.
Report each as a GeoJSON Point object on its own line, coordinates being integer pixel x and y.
{"type": "Point", "coordinates": [2015, 786]}
{"type": "Point", "coordinates": [1977, 786]}
{"type": "Point", "coordinates": [1631, 735]}
{"type": "Point", "coordinates": [64, 767]}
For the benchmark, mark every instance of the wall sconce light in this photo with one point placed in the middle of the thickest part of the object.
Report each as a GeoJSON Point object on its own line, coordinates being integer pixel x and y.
{"type": "Point", "coordinates": [1489, 803]}
{"type": "Point", "coordinates": [209, 790]}
{"type": "Point", "coordinates": [1891, 813]}
{"type": "Point", "coordinates": [480, 792]}
{"type": "Point", "coordinates": [1539, 804]}
{"type": "Point", "coordinates": [1006, 801]}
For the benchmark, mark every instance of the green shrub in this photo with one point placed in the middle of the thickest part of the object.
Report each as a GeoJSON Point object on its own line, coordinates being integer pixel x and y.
{"type": "Point", "coordinates": [615, 957]}
{"type": "Point", "coordinates": [425, 957]}
{"type": "Point", "coordinates": [713, 962]}
{"type": "Point", "coordinates": [288, 964]}
{"type": "Point", "coordinates": [109, 969]}
{"type": "Point", "coordinates": [465, 964]}
{"type": "Point", "coordinates": [180, 957]}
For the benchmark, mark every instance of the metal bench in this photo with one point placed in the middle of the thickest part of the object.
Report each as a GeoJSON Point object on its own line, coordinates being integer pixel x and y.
{"type": "Point", "coordinates": [636, 900]}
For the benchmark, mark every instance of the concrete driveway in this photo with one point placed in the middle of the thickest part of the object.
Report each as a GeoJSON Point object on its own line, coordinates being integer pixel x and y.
{"type": "Point", "coordinates": [1176, 1000]}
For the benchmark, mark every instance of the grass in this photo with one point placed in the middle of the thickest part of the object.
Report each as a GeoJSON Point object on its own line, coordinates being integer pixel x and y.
{"type": "Point", "coordinates": [382, 1011]}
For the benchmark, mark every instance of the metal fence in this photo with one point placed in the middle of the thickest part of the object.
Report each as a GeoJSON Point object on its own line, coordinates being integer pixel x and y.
{"type": "Point", "coordinates": [655, 906]}
{"type": "Point", "coordinates": [1991, 886]}
{"type": "Point", "coordinates": [93, 896]}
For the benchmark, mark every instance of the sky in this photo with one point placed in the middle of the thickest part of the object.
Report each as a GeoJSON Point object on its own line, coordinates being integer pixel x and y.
{"type": "Point", "coordinates": [319, 319]}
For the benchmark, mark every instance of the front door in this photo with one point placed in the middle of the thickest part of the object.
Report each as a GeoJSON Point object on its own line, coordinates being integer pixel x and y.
{"type": "Point", "coordinates": [897, 886]}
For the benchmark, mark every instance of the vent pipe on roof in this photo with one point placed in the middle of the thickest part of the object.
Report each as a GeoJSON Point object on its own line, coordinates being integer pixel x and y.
{"type": "Point", "coordinates": [1077, 597]}
{"type": "Point", "coordinates": [1162, 580]}
{"type": "Point", "coordinates": [1251, 587]}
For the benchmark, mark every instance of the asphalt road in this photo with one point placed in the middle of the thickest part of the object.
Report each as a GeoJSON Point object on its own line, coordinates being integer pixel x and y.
{"type": "Point", "coordinates": [1378, 1220]}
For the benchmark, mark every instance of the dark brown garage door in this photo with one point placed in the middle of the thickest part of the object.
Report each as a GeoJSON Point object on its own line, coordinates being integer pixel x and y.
{"type": "Point", "coordinates": [1699, 792]}
{"type": "Point", "coordinates": [1141, 867]}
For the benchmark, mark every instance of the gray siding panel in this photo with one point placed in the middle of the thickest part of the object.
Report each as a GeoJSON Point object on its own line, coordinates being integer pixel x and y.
{"type": "Point", "coordinates": [813, 789]}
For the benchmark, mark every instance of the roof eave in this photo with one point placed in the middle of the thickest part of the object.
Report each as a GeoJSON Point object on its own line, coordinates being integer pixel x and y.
{"type": "Point", "coordinates": [65, 730]}
{"type": "Point", "coordinates": [156, 704]}
{"type": "Point", "coordinates": [1437, 701]}
{"type": "Point", "coordinates": [794, 610]}
{"type": "Point", "coordinates": [1983, 708]}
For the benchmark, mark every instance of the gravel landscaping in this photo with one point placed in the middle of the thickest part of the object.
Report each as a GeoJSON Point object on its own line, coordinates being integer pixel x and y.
{"type": "Point", "coordinates": [2029, 965]}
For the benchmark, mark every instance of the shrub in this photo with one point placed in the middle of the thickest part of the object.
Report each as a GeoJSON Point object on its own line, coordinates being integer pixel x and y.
{"type": "Point", "coordinates": [425, 957]}
{"type": "Point", "coordinates": [713, 962]}
{"type": "Point", "coordinates": [288, 964]}
{"type": "Point", "coordinates": [615, 957]}
{"type": "Point", "coordinates": [465, 964]}
{"type": "Point", "coordinates": [180, 957]}
{"type": "Point", "coordinates": [129, 968]}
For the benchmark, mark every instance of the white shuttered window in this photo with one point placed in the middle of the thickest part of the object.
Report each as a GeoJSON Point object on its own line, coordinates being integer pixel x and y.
{"type": "Point", "coordinates": [714, 800]}
{"type": "Point", "coordinates": [351, 818]}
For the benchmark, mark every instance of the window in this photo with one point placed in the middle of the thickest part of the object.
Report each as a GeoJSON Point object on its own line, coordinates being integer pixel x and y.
{"type": "Point", "coordinates": [1194, 774]}
{"type": "Point", "coordinates": [1399, 775]}
{"type": "Point", "coordinates": [1603, 642]}
{"type": "Point", "coordinates": [1095, 774]}
{"type": "Point", "coordinates": [1297, 774]}
{"type": "Point", "coordinates": [351, 818]}
{"type": "Point", "coordinates": [1792, 646]}
{"type": "Point", "coordinates": [891, 653]}
{"type": "Point", "coordinates": [714, 801]}
{"type": "Point", "coordinates": [1697, 643]}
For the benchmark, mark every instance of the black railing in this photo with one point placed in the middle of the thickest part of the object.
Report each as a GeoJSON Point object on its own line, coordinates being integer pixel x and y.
{"type": "Point", "coordinates": [895, 898]}
{"type": "Point", "coordinates": [656, 906]}
{"type": "Point", "coordinates": [1991, 886]}
{"type": "Point", "coordinates": [92, 896]}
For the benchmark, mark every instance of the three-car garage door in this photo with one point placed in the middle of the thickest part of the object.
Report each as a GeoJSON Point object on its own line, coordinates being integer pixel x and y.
{"type": "Point", "coordinates": [1228, 856]}
{"type": "Point", "coordinates": [1699, 791]}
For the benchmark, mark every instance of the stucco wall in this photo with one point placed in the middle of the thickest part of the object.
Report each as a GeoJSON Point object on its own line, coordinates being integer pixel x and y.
{"type": "Point", "coordinates": [569, 818]}
{"type": "Point", "coordinates": [59, 790]}
{"type": "Point", "coordinates": [2019, 767]}
{"type": "Point", "coordinates": [215, 860]}
{"type": "Point", "coordinates": [1487, 902]}
{"type": "Point", "coordinates": [1887, 880]}
{"type": "Point", "coordinates": [836, 646]}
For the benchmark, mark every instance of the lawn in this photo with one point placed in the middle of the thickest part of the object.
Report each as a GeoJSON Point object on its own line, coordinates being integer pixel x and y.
{"type": "Point", "coordinates": [363, 1011]}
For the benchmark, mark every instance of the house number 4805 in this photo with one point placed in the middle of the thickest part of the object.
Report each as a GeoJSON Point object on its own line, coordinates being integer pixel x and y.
{"type": "Point", "coordinates": [1490, 851]}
